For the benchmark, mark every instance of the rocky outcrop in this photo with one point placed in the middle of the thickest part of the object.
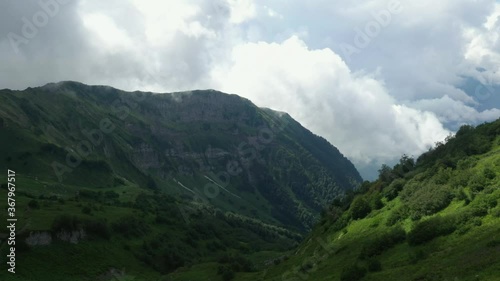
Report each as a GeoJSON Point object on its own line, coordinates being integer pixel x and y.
{"type": "Point", "coordinates": [44, 238]}
{"type": "Point", "coordinates": [145, 157]}
{"type": "Point", "coordinates": [73, 237]}
{"type": "Point", "coordinates": [39, 238]}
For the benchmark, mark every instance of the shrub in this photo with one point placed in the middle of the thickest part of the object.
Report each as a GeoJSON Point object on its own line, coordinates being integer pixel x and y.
{"type": "Point", "coordinates": [397, 215]}
{"type": "Point", "coordinates": [237, 263]}
{"type": "Point", "coordinates": [477, 183]}
{"type": "Point", "coordinates": [480, 206]}
{"type": "Point", "coordinates": [427, 230]}
{"type": "Point", "coordinates": [111, 195]}
{"type": "Point", "coordinates": [493, 244]}
{"type": "Point", "coordinates": [463, 217]}
{"type": "Point", "coordinates": [352, 273]}
{"type": "Point", "coordinates": [496, 213]}
{"type": "Point", "coordinates": [89, 194]}
{"type": "Point", "coordinates": [342, 222]}
{"type": "Point", "coordinates": [460, 178]}
{"type": "Point", "coordinates": [376, 202]}
{"type": "Point", "coordinates": [33, 204]}
{"type": "Point", "coordinates": [476, 222]}
{"type": "Point", "coordinates": [22, 246]}
{"type": "Point", "coordinates": [374, 265]}
{"type": "Point", "coordinates": [416, 256]}
{"type": "Point", "coordinates": [151, 183]}
{"type": "Point", "coordinates": [86, 210]}
{"type": "Point", "coordinates": [360, 208]}
{"type": "Point", "coordinates": [393, 189]}
{"type": "Point", "coordinates": [467, 163]}
{"type": "Point", "coordinates": [172, 259]}
{"type": "Point", "coordinates": [226, 272]}
{"type": "Point", "coordinates": [489, 173]}
{"type": "Point", "coordinates": [460, 194]}
{"type": "Point", "coordinates": [426, 200]}
{"type": "Point", "coordinates": [118, 181]}
{"type": "Point", "coordinates": [66, 223]}
{"type": "Point", "coordinates": [130, 226]}
{"type": "Point", "coordinates": [442, 176]}
{"type": "Point", "coordinates": [99, 229]}
{"type": "Point", "coordinates": [379, 244]}
{"type": "Point", "coordinates": [467, 201]}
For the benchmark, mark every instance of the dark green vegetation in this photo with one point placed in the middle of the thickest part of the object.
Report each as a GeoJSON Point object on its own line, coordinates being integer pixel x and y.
{"type": "Point", "coordinates": [112, 185]}
{"type": "Point", "coordinates": [206, 186]}
{"type": "Point", "coordinates": [436, 218]}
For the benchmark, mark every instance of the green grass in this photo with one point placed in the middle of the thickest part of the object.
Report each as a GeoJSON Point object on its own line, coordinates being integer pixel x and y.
{"type": "Point", "coordinates": [124, 252]}
{"type": "Point", "coordinates": [470, 253]}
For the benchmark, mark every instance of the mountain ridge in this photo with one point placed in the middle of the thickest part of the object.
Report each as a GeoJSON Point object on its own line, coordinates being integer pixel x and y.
{"type": "Point", "coordinates": [154, 138]}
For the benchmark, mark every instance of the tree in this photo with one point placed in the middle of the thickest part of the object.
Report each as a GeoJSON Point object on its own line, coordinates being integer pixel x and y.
{"type": "Point", "coordinates": [406, 164]}
{"type": "Point", "coordinates": [352, 273]}
{"type": "Point", "coordinates": [385, 174]}
{"type": "Point", "coordinates": [464, 130]}
{"type": "Point", "coordinates": [86, 210]}
{"type": "Point", "coordinates": [489, 173]}
{"type": "Point", "coordinates": [360, 208]}
{"type": "Point", "coordinates": [151, 184]}
{"type": "Point", "coordinates": [376, 202]}
{"type": "Point", "coordinates": [33, 204]}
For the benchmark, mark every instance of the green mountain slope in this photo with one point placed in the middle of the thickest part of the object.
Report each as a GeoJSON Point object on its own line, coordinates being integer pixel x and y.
{"type": "Point", "coordinates": [434, 219]}
{"type": "Point", "coordinates": [112, 185]}
{"type": "Point", "coordinates": [95, 136]}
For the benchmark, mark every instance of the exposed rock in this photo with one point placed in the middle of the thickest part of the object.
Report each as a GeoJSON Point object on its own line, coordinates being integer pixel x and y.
{"type": "Point", "coordinates": [39, 238]}
{"type": "Point", "coordinates": [72, 237]}
{"type": "Point", "coordinates": [44, 238]}
{"type": "Point", "coordinates": [112, 274]}
{"type": "Point", "coordinates": [146, 157]}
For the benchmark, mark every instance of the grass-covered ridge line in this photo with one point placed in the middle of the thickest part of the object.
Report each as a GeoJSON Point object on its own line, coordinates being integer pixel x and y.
{"type": "Point", "coordinates": [437, 218]}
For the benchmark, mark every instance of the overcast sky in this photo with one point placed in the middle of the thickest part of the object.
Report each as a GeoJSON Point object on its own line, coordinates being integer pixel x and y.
{"type": "Point", "coordinates": [377, 78]}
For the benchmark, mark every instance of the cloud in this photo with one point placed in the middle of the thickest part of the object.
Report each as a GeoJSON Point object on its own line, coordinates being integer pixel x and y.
{"type": "Point", "coordinates": [400, 93]}
{"type": "Point", "coordinates": [483, 48]}
{"type": "Point", "coordinates": [455, 112]}
{"type": "Point", "coordinates": [353, 110]}
{"type": "Point", "coordinates": [241, 10]}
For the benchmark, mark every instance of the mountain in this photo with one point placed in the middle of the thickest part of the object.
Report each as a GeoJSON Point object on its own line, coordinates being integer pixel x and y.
{"type": "Point", "coordinates": [436, 218]}
{"type": "Point", "coordinates": [161, 181]}
{"type": "Point", "coordinates": [261, 162]}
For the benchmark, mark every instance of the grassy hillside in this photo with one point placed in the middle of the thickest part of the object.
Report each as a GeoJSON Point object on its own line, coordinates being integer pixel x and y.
{"type": "Point", "coordinates": [436, 218]}
{"type": "Point", "coordinates": [112, 185]}
{"type": "Point", "coordinates": [126, 228]}
{"type": "Point", "coordinates": [95, 136]}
